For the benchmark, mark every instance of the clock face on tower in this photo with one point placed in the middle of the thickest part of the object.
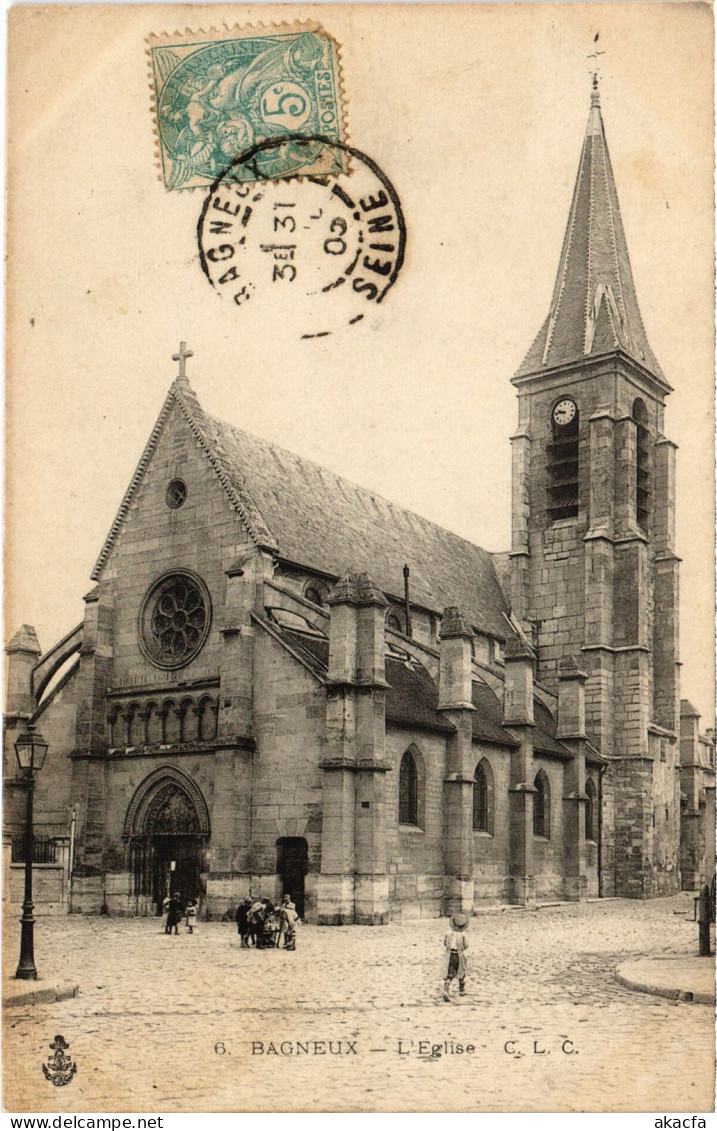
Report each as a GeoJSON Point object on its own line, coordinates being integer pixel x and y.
{"type": "Point", "coordinates": [564, 412]}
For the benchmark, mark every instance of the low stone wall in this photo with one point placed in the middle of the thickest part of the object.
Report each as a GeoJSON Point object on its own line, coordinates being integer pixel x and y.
{"type": "Point", "coordinates": [49, 888]}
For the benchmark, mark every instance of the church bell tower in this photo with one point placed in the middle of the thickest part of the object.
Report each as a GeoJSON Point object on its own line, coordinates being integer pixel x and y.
{"type": "Point", "coordinates": [593, 567]}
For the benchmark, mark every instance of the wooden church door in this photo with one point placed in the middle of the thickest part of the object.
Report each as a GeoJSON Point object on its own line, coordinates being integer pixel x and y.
{"type": "Point", "coordinates": [168, 855]}
{"type": "Point", "coordinates": [292, 864]}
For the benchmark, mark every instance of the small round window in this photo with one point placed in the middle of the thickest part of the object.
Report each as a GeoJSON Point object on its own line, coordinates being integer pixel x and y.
{"type": "Point", "coordinates": [174, 620]}
{"type": "Point", "coordinates": [176, 493]}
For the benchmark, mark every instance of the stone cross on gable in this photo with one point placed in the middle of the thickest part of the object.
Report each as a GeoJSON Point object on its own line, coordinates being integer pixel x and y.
{"type": "Point", "coordinates": [181, 357]}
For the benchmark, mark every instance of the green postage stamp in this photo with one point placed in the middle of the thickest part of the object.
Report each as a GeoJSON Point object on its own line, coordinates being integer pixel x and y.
{"type": "Point", "coordinates": [218, 95]}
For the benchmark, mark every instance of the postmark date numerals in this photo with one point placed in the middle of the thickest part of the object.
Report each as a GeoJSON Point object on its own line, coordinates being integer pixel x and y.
{"type": "Point", "coordinates": [311, 251]}
{"type": "Point", "coordinates": [335, 245]}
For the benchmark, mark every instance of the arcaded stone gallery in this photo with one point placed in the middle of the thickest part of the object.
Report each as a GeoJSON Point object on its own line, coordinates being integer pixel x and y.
{"type": "Point", "coordinates": [285, 683]}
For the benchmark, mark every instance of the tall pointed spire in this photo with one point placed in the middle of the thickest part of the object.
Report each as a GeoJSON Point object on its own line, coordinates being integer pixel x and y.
{"type": "Point", "coordinates": [594, 309]}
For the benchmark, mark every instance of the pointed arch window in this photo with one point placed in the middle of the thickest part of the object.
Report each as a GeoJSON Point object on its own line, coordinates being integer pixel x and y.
{"type": "Point", "coordinates": [483, 798]}
{"type": "Point", "coordinates": [643, 468]}
{"type": "Point", "coordinates": [563, 461]}
{"type": "Point", "coordinates": [408, 791]}
{"type": "Point", "coordinates": [590, 810]}
{"type": "Point", "coordinates": [411, 788]}
{"type": "Point", "coordinates": [541, 806]}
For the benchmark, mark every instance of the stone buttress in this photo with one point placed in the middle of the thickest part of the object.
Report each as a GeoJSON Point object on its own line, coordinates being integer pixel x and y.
{"type": "Point", "coordinates": [353, 883]}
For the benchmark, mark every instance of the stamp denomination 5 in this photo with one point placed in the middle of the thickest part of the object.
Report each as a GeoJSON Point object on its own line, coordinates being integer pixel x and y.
{"type": "Point", "coordinates": [217, 95]}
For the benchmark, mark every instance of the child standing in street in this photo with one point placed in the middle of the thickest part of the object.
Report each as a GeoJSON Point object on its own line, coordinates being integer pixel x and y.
{"type": "Point", "coordinates": [454, 961]}
{"type": "Point", "coordinates": [191, 914]}
{"type": "Point", "coordinates": [174, 914]}
{"type": "Point", "coordinates": [289, 922]}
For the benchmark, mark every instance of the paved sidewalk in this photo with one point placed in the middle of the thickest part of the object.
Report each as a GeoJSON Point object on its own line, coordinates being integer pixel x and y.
{"type": "Point", "coordinates": [681, 977]}
{"type": "Point", "coordinates": [15, 992]}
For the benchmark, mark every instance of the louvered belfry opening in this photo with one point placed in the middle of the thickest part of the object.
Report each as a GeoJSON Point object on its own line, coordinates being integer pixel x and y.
{"type": "Point", "coordinates": [643, 455]}
{"type": "Point", "coordinates": [563, 466]}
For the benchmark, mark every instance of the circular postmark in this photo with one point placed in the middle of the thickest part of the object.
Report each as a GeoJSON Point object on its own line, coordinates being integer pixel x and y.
{"type": "Point", "coordinates": [312, 252]}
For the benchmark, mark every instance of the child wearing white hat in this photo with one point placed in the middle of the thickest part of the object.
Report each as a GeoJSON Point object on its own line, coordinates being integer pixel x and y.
{"type": "Point", "coordinates": [454, 961]}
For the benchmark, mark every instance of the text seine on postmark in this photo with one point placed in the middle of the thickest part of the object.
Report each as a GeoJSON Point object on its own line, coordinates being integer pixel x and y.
{"type": "Point", "coordinates": [313, 252]}
{"type": "Point", "coordinates": [217, 95]}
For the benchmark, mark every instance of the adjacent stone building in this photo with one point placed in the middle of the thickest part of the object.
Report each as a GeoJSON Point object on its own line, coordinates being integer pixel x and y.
{"type": "Point", "coordinates": [283, 682]}
{"type": "Point", "coordinates": [697, 781]}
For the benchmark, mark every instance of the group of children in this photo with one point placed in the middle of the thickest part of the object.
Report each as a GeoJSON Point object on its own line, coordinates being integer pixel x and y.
{"type": "Point", "coordinates": [260, 923]}
{"type": "Point", "coordinates": [173, 913]}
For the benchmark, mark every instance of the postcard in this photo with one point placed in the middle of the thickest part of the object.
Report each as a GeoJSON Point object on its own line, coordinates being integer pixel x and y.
{"type": "Point", "coordinates": [359, 737]}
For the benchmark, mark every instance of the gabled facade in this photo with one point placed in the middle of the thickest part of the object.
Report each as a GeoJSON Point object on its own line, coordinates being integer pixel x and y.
{"type": "Point", "coordinates": [254, 703]}
{"type": "Point", "coordinates": [238, 719]}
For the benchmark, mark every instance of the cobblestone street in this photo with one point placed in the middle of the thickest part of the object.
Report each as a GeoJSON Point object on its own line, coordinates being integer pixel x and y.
{"type": "Point", "coordinates": [167, 1024]}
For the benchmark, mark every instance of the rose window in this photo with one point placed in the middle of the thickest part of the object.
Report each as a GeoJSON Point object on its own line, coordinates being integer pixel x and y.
{"type": "Point", "coordinates": [175, 620]}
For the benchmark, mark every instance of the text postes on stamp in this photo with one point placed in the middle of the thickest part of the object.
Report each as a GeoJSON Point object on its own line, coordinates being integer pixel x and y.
{"type": "Point", "coordinates": [216, 96]}
{"type": "Point", "coordinates": [313, 252]}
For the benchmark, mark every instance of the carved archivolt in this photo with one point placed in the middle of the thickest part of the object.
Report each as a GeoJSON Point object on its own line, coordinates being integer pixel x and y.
{"type": "Point", "coordinates": [142, 803]}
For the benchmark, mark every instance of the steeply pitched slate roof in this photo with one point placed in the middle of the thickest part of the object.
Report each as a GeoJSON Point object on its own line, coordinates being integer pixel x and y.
{"type": "Point", "coordinates": [544, 731]}
{"type": "Point", "coordinates": [487, 719]}
{"type": "Point", "coordinates": [326, 523]}
{"type": "Point", "coordinates": [412, 698]}
{"type": "Point", "coordinates": [594, 309]}
{"type": "Point", "coordinates": [310, 516]}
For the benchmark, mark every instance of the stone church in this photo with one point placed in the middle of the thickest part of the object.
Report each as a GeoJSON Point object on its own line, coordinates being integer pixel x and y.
{"type": "Point", "coordinates": [284, 682]}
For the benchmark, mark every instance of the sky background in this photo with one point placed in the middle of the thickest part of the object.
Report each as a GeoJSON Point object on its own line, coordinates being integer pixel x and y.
{"type": "Point", "coordinates": [477, 115]}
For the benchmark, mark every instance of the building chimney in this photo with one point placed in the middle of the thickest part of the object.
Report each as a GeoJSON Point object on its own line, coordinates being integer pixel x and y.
{"type": "Point", "coordinates": [407, 599]}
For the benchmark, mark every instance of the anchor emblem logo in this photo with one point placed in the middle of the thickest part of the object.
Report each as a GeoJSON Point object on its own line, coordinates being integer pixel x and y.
{"type": "Point", "coordinates": [59, 1069]}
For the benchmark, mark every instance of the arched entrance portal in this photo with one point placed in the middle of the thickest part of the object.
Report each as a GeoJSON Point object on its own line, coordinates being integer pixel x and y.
{"type": "Point", "coordinates": [292, 864]}
{"type": "Point", "coordinates": [167, 826]}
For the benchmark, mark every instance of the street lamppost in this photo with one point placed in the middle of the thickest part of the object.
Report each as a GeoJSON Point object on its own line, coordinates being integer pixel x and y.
{"type": "Point", "coordinates": [30, 749]}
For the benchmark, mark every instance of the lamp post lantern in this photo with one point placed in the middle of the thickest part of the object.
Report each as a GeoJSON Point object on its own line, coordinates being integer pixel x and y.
{"type": "Point", "coordinates": [30, 750]}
